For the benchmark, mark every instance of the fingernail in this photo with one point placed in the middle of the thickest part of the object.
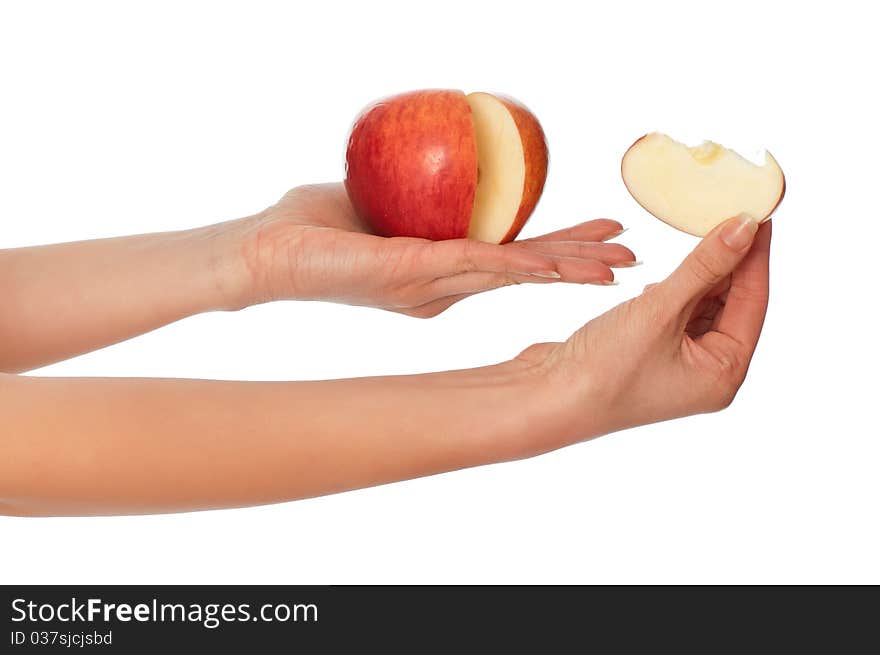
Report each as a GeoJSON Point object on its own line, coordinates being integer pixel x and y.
{"type": "Point", "coordinates": [552, 275]}
{"type": "Point", "coordinates": [606, 283]}
{"type": "Point", "coordinates": [615, 234]}
{"type": "Point", "coordinates": [637, 262]}
{"type": "Point", "coordinates": [738, 233]}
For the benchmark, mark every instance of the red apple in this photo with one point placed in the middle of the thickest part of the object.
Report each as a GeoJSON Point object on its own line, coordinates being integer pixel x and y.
{"type": "Point", "coordinates": [438, 164]}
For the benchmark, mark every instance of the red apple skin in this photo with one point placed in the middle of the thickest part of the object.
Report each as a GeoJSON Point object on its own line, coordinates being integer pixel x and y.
{"type": "Point", "coordinates": [411, 165]}
{"type": "Point", "coordinates": [534, 146]}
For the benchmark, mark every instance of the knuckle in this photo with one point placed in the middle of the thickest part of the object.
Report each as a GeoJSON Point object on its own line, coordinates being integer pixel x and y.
{"type": "Point", "coordinates": [652, 308]}
{"type": "Point", "coordinates": [469, 260]}
{"type": "Point", "coordinates": [704, 267]}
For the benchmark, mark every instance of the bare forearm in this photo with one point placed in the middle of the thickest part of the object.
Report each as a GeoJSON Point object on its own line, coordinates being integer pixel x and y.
{"type": "Point", "coordinates": [66, 299]}
{"type": "Point", "coordinates": [107, 446]}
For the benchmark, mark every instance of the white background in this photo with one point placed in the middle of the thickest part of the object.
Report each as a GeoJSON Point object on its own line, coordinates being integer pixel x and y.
{"type": "Point", "coordinates": [120, 118]}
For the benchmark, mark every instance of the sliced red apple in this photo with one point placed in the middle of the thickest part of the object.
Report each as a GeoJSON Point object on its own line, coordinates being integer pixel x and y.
{"type": "Point", "coordinates": [696, 188]}
{"type": "Point", "coordinates": [438, 164]}
{"type": "Point", "coordinates": [512, 167]}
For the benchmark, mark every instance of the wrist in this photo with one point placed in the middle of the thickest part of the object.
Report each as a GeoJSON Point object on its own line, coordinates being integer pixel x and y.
{"type": "Point", "coordinates": [232, 257]}
{"type": "Point", "coordinates": [530, 410]}
{"type": "Point", "coordinates": [560, 402]}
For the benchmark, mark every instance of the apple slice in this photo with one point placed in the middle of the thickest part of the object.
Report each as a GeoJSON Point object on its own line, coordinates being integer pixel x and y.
{"type": "Point", "coordinates": [437, 164]}
{"type": "Point", "coordinates": [696, 188]}
{"type": "Point", "coordinates": [511, 167]}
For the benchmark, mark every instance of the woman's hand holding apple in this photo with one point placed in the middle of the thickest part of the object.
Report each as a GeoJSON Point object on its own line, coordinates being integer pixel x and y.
{"type": "Point", "coordinates": [312, 245]}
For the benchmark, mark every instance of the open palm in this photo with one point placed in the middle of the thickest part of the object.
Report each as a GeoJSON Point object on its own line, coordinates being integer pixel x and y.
{"type": "Point", "coordinates": [312, 245]}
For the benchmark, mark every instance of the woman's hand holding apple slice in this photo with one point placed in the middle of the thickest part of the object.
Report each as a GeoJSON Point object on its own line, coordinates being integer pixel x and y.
{"type": "Point", "coordinates": [682, 347]}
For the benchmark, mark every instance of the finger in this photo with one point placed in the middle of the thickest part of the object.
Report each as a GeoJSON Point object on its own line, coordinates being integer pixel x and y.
{"type": "Point", "coordinates": [709, 263]}
{"type": "Point", "coordinates": [446, 258]}
{"type": "Point", "coordinates": [584, 271]}
{"type": "Point", "coordinates": [746, 303]}
{"type": "Point", "coordinates": [612, 254]}
{"type": "Point", "coordinates": [720, 289]}
{"type": "Point", "coordinates": [577, 271]}
{"type": "Point", "coordinates": [471, 283]}
{"type": "Point", "coordinates": [596, 230]}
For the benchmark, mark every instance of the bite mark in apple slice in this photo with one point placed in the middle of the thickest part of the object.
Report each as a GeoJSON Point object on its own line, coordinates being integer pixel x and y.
{"type": "Point", "coordinates": [696, 188]}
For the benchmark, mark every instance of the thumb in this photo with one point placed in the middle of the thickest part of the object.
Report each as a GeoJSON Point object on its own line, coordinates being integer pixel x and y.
{"type": "Point", "coordinates": [712, 260]}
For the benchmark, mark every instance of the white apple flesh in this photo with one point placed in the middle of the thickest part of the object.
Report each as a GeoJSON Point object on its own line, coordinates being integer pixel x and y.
{"type": "Point", "coordinates": [696, 188]}
{"type": "Point", "coordinates": [501, 168]}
